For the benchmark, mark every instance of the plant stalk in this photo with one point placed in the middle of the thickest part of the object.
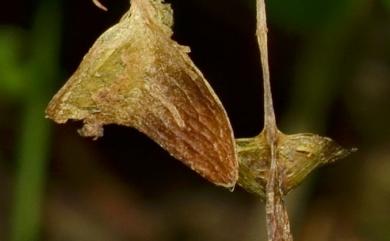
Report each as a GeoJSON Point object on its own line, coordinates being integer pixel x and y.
{"type": "Point", "coordinates": [278, 225]}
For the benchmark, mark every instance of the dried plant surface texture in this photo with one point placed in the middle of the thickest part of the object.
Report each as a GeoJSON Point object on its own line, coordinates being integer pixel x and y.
{"type": "Point", "coordinates": [272, 163]}
{"type": "Point", "coordinates": [136, 75]}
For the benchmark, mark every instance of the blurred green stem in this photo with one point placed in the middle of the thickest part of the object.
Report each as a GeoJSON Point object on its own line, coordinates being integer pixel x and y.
{"type": "Point", "coordinates": [30, 177]}
{"type": "Point", "coordinates": [319, 73]}
{"type": "Point", "coordinates": [317, 78]}
{"type": "Point", "coordinates": [35, 133]}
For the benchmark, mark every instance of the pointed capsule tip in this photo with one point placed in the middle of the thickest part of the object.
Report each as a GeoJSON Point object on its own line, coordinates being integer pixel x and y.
{"type": "Point", "coordinates": [99, 5]}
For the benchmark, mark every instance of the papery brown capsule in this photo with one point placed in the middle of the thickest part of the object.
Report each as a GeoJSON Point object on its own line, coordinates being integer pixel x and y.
{"type": "Point", "coordinates": [136, 75]}
{"type": "Point", "coordinates": [297, 156]}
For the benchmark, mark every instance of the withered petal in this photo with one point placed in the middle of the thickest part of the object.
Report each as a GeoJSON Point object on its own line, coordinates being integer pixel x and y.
{"type": "Point", "coordinates": [135, 75]}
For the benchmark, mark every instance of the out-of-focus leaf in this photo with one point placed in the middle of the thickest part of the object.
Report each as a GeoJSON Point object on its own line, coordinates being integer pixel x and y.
{"type": "Point", "coordinates": [12, 71]}
{"type": "Point", "coordinates": [41, 70]}
{"type": "Point", "coordinates": [386, 3]}
{"type": "Point", "coordinates": [304, 15]}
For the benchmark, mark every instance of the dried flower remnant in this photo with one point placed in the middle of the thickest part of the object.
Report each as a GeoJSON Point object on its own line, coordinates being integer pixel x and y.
{"type": "Point", "coordinates": [272, 163]}
{"type": "Point", "coordinates": [135, 75]}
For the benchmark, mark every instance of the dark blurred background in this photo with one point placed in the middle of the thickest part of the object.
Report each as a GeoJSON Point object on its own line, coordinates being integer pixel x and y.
{"type": "Point", "coordinates": [330, 65]}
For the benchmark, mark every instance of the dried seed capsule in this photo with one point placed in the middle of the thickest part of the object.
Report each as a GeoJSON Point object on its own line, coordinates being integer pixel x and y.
{"type": "Point", "coordinates": [296, 156]}
{"type": "Point", "coordinates": [136, 75]}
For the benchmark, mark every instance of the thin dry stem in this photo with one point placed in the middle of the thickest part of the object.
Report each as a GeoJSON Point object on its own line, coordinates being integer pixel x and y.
{"type": "Point", "coordinates": [269, 117]}
{"type": "Point", "coordinates": [278, 225]}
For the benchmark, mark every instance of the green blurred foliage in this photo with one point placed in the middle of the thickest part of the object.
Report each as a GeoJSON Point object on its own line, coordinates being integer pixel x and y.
{"type": "Point", "coordinates": [12, 66]}
{"type": "Point", "coordinates": [386, 3]}
{"type": "Point", "coordinates": [306, 15]}
{"type": "Point", "coordinates": [27, 70]}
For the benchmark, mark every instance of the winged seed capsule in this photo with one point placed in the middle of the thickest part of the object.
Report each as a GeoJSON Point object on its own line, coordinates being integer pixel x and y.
{"type": "Point", "coordinates": [297, 156]}
{"type": "Point", "coordinates": [135, 75]}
